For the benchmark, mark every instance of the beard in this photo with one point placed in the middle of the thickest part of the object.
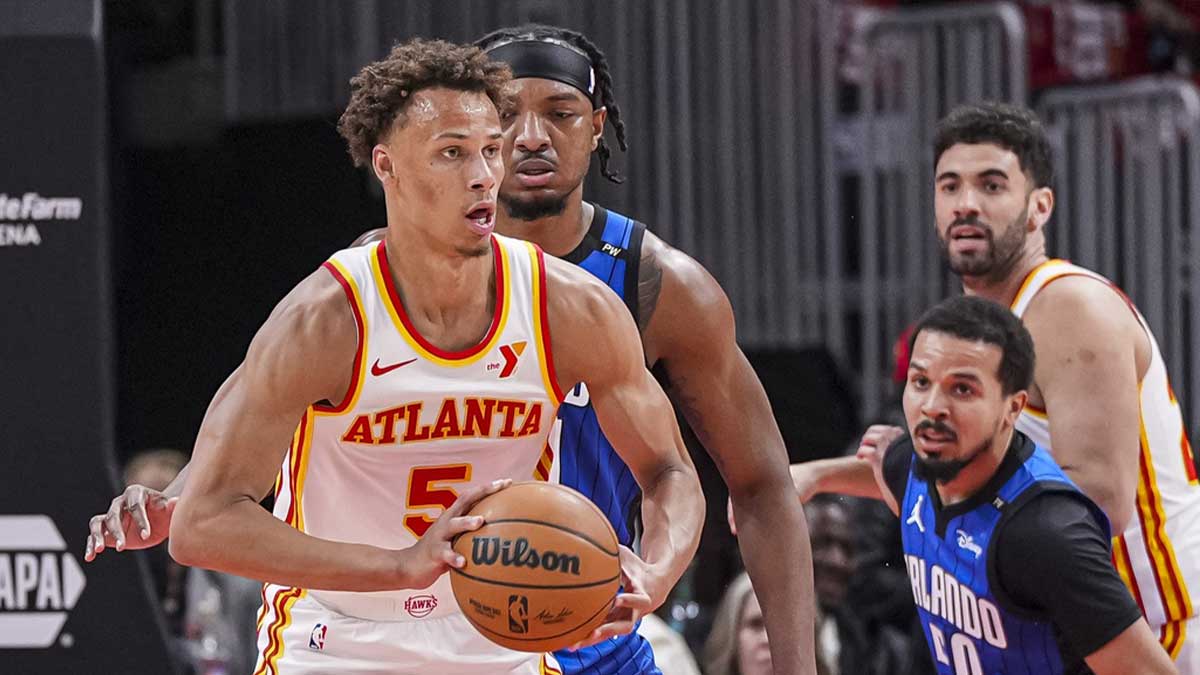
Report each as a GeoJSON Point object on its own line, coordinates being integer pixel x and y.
{"type": "Point", "coordinates": [998, 259]}
{"type": "Point", "coordinates": [944, 470]}
{"type": "Point", "coordinates": [535, 208]}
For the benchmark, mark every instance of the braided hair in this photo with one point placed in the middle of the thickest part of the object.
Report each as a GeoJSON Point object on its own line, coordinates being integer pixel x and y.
{"type": "Point", "coordinates": [604, 84]}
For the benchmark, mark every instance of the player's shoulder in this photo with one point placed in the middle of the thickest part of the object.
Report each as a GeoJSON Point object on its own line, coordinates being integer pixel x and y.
{"type": "Point", "coordinates": [1077, 304]}
{"type": "Point", "coordinates": [686, 286]}
{"type": "Point", "coordinates": [318, 309]}
{"type": "Point", "coordinates": [574, 288]}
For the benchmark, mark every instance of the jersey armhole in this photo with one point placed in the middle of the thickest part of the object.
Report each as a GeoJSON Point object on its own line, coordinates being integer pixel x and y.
{"type": "Point", "coordinates": [346, 281]}
{"type": "Point", "coordinates": [633, 266]}
{"type": "Point", "coordinates": [1008, 510]}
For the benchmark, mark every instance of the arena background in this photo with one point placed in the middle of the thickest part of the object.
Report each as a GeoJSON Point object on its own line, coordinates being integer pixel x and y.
{"type": "Point", "coordinates": [190, 148]}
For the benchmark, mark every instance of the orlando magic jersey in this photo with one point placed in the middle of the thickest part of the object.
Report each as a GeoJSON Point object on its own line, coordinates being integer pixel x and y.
{"type": "Point", "coordinates": [970, 628]}
{"type": "Point", "coordinates": [586, 461]}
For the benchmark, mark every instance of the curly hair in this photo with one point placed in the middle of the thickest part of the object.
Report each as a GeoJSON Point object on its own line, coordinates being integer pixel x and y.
{"type": "Point", "coordinates": [381, 91]}
{"type": "Point", "coordinates": [1012, 127]}
{"type": "Point", "coordinates": [604, 83]}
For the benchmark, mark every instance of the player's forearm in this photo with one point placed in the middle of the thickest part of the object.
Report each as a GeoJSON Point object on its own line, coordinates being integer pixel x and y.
{"type": "Point", "coordinates": [673, 515]}
{"type": "Point", "coordinates": [841, 475]}
{"type": "Point", "coordinates": [772, 528]}
{"type": "Point", "coordinates": [244, 539]}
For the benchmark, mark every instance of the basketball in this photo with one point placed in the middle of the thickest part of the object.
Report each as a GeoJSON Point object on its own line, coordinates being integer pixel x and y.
{"type": "Point", "coordinates": [542, 572]}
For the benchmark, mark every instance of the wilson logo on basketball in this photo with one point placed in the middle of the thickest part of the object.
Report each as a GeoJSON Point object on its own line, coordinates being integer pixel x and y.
{"type": "Point", "coordinates": [420, 605]}
{"type": "Point", "coordinates": [518, 553]}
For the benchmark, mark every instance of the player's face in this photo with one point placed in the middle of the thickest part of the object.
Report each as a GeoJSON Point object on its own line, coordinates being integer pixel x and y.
{"type": "Point", "coordinates": [954, 403]}
{"type": "Point", "coordinates": [832, 537]}
{"type": "Point", "coordinates": [753, 652]}
{"type": "Point", "coordinates": [550, 131]}
{"type": "Point", "coordinates": [982, 204]}
{"type": "Point", "coordinates": [445, 167]}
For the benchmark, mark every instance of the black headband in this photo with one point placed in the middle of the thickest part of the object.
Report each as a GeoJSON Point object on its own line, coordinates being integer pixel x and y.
{"type": "Point", "coordinates": [548, 59]}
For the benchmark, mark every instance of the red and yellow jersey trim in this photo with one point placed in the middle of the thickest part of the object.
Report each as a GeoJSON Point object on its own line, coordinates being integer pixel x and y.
{"type": "Point", "coordinates": [354, 297]}
{"type": "Point", "coordinates": [1120, 556]}
{"type": "Point", "coordinates": [541, 471]}
{"type": "Point", "coordinates": [541, 323]}
{"type": "Point", "coordinates": [395, 308]}
{"type": "Point", "coordinates": [1030, 277]}
{"type": "Point", "coordinates": [282, 604]}
{"type": "Point", "coordinates": [297, 456]}
{"type": "Point", "coordinates": [1177, 602]}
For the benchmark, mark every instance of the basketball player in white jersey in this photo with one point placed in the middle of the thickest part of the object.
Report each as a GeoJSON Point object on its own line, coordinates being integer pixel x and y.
{"type": "Point", "coordinates": [421, 368]}
{"type": "Point", "coordinates": [1100, 400]}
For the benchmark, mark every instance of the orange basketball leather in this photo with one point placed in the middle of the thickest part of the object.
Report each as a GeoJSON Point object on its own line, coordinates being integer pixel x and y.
{"type": "Point", "coordinates": [542, 572]}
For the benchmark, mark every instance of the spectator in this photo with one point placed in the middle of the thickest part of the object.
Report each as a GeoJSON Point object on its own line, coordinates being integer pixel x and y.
{"type": "Point", "coordinates": [737, 644]}
{"type": "Point", "coordinates": [849, 640]}
{"type": "Point", "coordinates": [671, 652]}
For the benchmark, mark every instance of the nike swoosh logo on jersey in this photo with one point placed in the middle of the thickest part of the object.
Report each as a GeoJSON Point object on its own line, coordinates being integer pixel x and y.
{"type": "Point", "coordinates": [377, 371]}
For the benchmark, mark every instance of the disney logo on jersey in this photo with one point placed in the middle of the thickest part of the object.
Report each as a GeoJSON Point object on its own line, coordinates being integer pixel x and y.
{"type": "Point", "coordinates": [470, 417]}
{"type": "Point", "coordinates": [518, 553]}
{"type": "Point", "coordinates": [512, 356]}
{"type": "Point", "coordinates": [966, 541]}
{"type": "Point", "coordinates": [420, 606]}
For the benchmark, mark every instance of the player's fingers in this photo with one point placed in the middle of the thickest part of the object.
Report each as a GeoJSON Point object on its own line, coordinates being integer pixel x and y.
{"type": "Point", "coordinates": [608, 630]}
{"type": "Point", "coordinates": [467, 499]}
{"type": "Point", "coordinates": [96, 538]}
{"type": "Point", "coordinates": [461, 524]}
{"type": "Point", "coordinates": [135, 504]}
{"type": "Point", "coordinates": [729, 517]}
{"type": "Point", "coordinates": [88, 553]}
{"type": "Point", "coordinates": [112, 521]}
{"type": "Point", "coordinates": [638, 602]}
{"type": "Point", "coordinates": [452, 558]}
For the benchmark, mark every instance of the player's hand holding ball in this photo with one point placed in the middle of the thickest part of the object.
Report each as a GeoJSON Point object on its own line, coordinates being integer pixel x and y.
{"type": "Point", "coordinates": [432, 556]}
{"type": "Point", "coordinates": [641, 594]}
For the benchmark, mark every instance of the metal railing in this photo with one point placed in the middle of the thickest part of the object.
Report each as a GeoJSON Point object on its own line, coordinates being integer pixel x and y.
{"type": "Point", "coordinates": [916, 65]}
{"type": "Point", "coordinates": [1127, 160]}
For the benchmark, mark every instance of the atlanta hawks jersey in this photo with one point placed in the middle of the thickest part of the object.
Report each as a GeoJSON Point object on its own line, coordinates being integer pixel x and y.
{"type": "Point", "coordinates": [419, 424]}
{"type": "Point", "coordinates": [1158, 554]}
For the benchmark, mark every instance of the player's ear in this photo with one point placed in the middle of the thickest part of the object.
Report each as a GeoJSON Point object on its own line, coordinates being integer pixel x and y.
{"type": "Point", "coordinates": [599, 115]}
{"type": "Point", "coordinates": [381, 163]}
{"type": "Point", "coordinates": [1041, 205]}
{"type": "Point", "coordinates": [1016, 403]}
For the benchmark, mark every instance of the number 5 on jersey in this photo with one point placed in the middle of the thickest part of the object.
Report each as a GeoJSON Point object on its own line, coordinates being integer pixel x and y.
{"type": "Point", "coordinates": [426, 491]}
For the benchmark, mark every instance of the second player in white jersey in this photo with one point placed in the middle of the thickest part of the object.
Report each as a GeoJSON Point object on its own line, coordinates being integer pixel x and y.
{"type": "Point", "coordinates": [1158, 554]}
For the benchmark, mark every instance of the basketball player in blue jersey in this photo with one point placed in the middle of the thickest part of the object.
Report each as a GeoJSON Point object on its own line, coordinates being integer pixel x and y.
{"type": "Point", "coordinates": [1009, 561]}
{"type": "Point", "coordinates": [562, 100]}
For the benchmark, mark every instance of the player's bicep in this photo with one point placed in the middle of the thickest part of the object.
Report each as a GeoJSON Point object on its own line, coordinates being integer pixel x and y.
{"type": "Point", "coordinates": [1089, 383]}
{"type": "Point", "coordinates": [250, 421]}
{"type": "Point", "coordinates": [717, 390]}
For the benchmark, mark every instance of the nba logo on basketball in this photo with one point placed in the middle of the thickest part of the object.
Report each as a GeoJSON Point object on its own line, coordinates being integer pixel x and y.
{"type": "Point", "coordinates": [317, 639]}
{"type": "Point", "coordinates": [518, 614]}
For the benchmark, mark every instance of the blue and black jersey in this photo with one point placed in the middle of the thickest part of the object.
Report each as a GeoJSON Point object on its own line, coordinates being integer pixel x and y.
{"type": "Point", "coordinates": [610, 251]}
